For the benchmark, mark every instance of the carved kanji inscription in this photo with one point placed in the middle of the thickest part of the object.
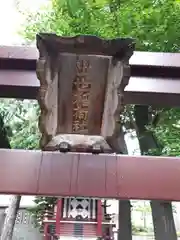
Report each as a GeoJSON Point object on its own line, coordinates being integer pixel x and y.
{"type": "Point", "coordinates": [81, 93]}
{"type": "Point", "coordinates": [81, 89]}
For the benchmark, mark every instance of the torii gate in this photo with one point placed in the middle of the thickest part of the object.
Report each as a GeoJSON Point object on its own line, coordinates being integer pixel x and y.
{"type": "Point", "coordinates": [154, 80]}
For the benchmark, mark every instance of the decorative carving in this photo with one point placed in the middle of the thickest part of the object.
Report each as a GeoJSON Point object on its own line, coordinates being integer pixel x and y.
{"type": "Point", "coordinates": [82, 81]}
{"type": "Point", "coordinates": [120, 48]}
{"type": "Point", "coordinates": [118, 79]}
{"type": "Point", "coordinates": [78, 142]}
{"type": "Point", "coordinates": [47, 101]}
{"type": "Point", "coordinates": [79, 208]}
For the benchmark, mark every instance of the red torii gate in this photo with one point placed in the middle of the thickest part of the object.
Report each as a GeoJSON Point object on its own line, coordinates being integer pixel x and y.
{"type": "Point", "coordinates": [155, 77]}
{"type": "Point", "coordinates": [114, 176]}
{"type": "Point", "coordinates": [119, 176]}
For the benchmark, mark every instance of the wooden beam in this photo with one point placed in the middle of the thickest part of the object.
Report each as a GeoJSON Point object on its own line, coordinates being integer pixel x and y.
{"type": "Point", "coordinates": [18, 52]}
{"type": "Point", "coordinates": [158, 59]}
{"type": "Point", "coordinates": [155, 77]}
{"type": "Point", "coordinates": [153, 91]}
{"type": "Point", "coordinates": [18, 84]}
{"type": "Point", "coordinates": [114, 176]}
{"type": "Point", "coordinates": [141, 90]}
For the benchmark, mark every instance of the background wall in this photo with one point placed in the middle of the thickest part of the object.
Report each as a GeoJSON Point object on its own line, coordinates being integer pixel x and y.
{"type": "Point", "coordinates": [24, 229]}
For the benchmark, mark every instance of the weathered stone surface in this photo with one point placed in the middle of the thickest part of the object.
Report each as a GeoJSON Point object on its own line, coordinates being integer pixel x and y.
{"type": "Point", "coordinates": [82, 80]}
{"type": "Point", "coordinates": [81, 142]}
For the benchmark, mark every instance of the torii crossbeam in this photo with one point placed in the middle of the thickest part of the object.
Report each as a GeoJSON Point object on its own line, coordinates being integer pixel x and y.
{"type": "Point", "coordinates": [115, 176]}
{"type": "Point", "coordinates": [155, 77]}
{"type": "Point", "coordinates": [103, 176]}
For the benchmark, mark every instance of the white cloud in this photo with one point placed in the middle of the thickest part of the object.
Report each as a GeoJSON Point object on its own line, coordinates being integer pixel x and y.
{"type": "Point", "coordinates": [10, 19]}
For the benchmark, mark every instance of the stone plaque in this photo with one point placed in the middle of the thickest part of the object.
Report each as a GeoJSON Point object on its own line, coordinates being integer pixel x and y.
{"type": "Point", "coordinates": [82, 80]}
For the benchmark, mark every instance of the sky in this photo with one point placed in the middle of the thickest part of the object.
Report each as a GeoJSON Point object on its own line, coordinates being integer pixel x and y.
{"type": "Point", "coordinates": [10, 19]}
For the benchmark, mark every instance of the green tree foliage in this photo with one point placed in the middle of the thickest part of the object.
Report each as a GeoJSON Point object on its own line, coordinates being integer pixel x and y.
{"type": "Point", "coordinates": [4, 141]}
{"type": "Point", "coordinates": [21, 122]}
{"type": "Point", "coordinates": [167, 131]}
{"type": "Point", "coordinates": [154, 24]}
{"type": "Point", "coordinates": [44, 205]}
